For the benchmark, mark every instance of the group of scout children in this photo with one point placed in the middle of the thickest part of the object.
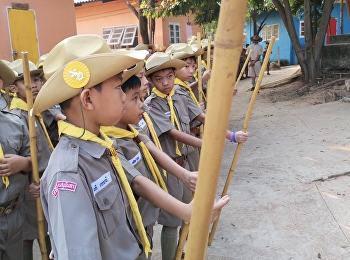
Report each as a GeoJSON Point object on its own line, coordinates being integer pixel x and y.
{"type": "Point", "coordinates": [69, 186]}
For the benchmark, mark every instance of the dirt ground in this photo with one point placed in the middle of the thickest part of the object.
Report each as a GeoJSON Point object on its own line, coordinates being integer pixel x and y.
{"type": "Point", "coordinates": [302, 94]}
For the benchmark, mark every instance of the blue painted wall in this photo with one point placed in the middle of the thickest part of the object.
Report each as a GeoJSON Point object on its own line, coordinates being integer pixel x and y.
{"type": "Point", "coordinates": [283, 42]}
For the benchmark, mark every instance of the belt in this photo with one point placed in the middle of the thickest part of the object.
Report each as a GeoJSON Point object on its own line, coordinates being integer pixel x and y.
{"type": "Point", "coordinates": [195, 130]}
{"type": "Point", "coordinates": [181, 160]}
{"type": "Point", "coordinates": [8, 207]}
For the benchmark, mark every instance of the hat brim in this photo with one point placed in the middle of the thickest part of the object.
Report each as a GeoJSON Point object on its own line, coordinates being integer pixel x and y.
{"type": "Point", "coordinates": [173, 63]}
{"type": "Point", "coordinates": [133, 71]}
{"type": "Point", "coordinates": [101, 67]}
{"type": "Point", "coordinates": [255, 40]}
{"type": "Point", "coordinates": [6, 74]}
{"type": "Point", "coordinates": [183, 55]}
{"type": "Point", "coordinates": [32, 72]}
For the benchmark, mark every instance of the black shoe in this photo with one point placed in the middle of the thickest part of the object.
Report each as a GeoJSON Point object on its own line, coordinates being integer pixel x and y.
{"type": "Point", "coordinates": [252, 89]}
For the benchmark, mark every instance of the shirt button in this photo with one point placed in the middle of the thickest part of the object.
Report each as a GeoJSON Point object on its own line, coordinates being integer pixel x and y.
{"type": "Point", "coordinates": [105, 201]}
{"type": "Point", "coordinates": [73, 145]}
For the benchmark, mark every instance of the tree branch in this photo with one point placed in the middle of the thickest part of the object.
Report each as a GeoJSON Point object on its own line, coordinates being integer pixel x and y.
{"type": "Point", "coordinates": [132, 8]}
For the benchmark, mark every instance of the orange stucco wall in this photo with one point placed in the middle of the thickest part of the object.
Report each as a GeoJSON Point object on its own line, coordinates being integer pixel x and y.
{"type": "Point", "coordinates": [55, 22]}
{"type": "Point", "coordinates": [92, 17]}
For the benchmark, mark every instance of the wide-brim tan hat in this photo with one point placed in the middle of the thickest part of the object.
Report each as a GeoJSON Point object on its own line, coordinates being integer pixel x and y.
{"type": "Point", "coordinates": [134, 70]}
{"type": "Point", "coordinates": [182, 51]}
{"type": "Point", "coordinates": [7, 75]}
{"type": "Point", "coordinates": [161, 60]}
{"type": "Point", "coordinates": [40, 63]}
{"type": "Point", "coordinates": [81, 61]}
{"type": "Point", "coordinates": [17, 67]}
{"type": "Point", "coordinates": [256, 38]}
{"type": "Point", "coordinates": [205, 44]}
{"type": "Point", "coordinates": [144, 46]}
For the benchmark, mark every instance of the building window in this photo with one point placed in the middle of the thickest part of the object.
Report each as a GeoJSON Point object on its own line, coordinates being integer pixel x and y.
{"type": "Point", "coordinates": [301, 30]}
{"type": "Point", "coordinates": [174, 33]}
{"type": "Point", "coordinates": [120, 36]}
{"type": "Point", "coordinates": [270, 30]}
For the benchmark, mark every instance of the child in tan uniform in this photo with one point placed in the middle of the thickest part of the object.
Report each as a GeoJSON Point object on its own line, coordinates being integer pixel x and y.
{"type": "Point", "coordinates": [44, 150]}
{"type": "Point", "coordinates": [15, 163]}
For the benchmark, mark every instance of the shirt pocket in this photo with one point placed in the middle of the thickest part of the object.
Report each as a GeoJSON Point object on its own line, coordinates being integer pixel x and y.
{"type": "Point", "coordinates": [41, 141]}
{"type": "Point", "coordinates": [15, 142]}
{"type": "Point", "coordinates": [110, 214]}
{"type": "Point", "coordinates": [185, 122]}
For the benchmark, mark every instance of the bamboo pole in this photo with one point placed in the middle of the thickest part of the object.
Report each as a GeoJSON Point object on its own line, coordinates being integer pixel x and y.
{"type": "Point", "coordinates": [200, 82]}
{"type": "Point", "coordinates": [243, 68]}
{"type": "Point", "coordinates": [244, 129]}
{"type": "Point", "coordinates": [228, 47]}
{"type": "Point", "coordinates": [208, 62]}
{"type": "Point", "coordinates": [183, 236]}
{"type": "Point", "coordinates": [33, 154]}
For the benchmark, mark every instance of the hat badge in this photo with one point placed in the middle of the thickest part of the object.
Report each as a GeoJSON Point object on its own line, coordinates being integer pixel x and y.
{"type": "Point", "coordinates": [76, 74]}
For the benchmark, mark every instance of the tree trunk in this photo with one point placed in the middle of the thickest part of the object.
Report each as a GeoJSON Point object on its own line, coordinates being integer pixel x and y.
{"type": "Point", "coordinates": [309, 41]}
{"type": "Point", "coordinates": [286, 15]}
{"type": "Point", "coordinates": [152, 25]}
{"type": "Point", "coordinates": [326, 15]}
{"type": "Point", "coordinates": [143, 22]}
{"type": "Point", "coordinates": [143, 25]}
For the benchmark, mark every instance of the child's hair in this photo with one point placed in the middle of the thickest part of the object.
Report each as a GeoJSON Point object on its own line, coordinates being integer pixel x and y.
{"type": "Point", "coordinates": [132, 83]}
{"type": "Point", "coordinates": [192, 58]}
{"type": "Point", "coordinates": [66, 104]}
{"type": "Point", "coordinates": [151, 75]}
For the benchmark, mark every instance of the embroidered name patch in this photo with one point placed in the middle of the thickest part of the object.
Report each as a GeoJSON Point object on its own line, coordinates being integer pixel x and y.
{"type": "Point", "coordinates": [101, 182]}
{"type": "Point", "coordinates": [64, 185]}
{"type": "Point", "coordinates": [142, 123]}
{"type": "Point", "coordinates": [136, 159]}
{"type": "Point", "coordinates": [167, 114]}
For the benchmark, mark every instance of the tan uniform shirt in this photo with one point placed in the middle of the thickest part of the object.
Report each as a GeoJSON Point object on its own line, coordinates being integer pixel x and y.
{"type": "Point", "coordinates": [85, 205]}
{"type": "Point", "coordinates": [133, 154]}
{"type": "Point", "coordinates": [160, 115]}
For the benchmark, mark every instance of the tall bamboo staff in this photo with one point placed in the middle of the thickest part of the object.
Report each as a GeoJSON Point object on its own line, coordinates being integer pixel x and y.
{"type": "Point", "coordinates": [228, 47]}
{"type": "Point", "coordinates": [185, 226]}
{"type": "Point", "coordinates": [200, 86]}
{"type": "Point", "coordinates": [243, 68]}
{"type": "Point", "coordinates": [33, 154]}
{"type": "Point", "coordinates": [244, 129]}
{"type": "Point", "coordinates": [208, 62]}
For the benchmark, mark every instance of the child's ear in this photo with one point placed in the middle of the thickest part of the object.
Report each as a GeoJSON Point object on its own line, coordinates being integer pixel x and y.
{"type": "Point", "coordinates": [13, 88]}
{"type": "Point", "coordinates": [85, 99]}
{"type": "Point", "coordinates": [175, 71]}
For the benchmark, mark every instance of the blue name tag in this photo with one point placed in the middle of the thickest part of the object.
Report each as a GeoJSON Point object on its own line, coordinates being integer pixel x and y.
{"type": "Point", "coordinates": [136, 159]}
{"type": "Point", "coordinates": [167, 114]}
{"type": "Point", "coordinates": [142, 123]}
{"type": "Point", "coordinates": [101, 182]}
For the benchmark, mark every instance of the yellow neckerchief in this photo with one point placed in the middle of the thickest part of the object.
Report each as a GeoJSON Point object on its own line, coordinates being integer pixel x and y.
{"type": "Point", "coordinates": [122, 133]}
{"type": "Point", "coordinates": [205, 64]}
{"type": "Point", "coordinates": [5, 179]}
{"type": "Point", "coordinates": [173, 117]}
{"type": "Point", "coordinates": [188, 88]}
{"type": "Point", "coordinates": [74, 131]}
{"type": "Point", "coordinates": [153, 133]}
{"type": "Point", "coordinates": [19, 103]}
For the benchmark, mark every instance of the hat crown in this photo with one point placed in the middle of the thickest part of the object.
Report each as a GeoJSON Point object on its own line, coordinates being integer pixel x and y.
{"type": "Point", "coordinates": [17, 66]}
{"type": "Point", "coordinates": [72, 48]}
{"type": "Point", "coordinates": [7, 75]}
{"type": "Point", "coordinates": [182, 51]}
{"type": "Point", "coordinates": [179, 47]}
{"type": "Point", "coordinates": [157, 59]}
